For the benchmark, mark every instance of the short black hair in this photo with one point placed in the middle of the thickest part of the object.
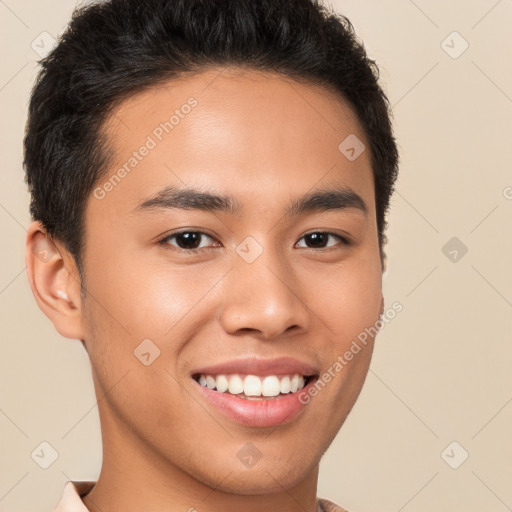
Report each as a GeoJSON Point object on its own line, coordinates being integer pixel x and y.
{"type": "Point", "coordinates": [115, 48]}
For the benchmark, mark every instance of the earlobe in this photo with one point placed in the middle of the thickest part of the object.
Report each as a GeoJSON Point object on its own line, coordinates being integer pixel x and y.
{"type": "Point", "coordinates": [54, 281]}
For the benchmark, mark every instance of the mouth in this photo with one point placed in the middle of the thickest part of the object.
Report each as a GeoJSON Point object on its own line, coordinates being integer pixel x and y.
{"type": "Point", "coordinates": [256, 400]}
{"type": "Point", "coordinates": [257, 392]}
{"type": "Point", "coordinates": [255, 387]}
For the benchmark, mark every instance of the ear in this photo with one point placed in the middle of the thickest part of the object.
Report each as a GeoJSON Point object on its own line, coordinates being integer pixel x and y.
{"type": "Point", "coordinates": [383, 261]}
{"type": "Point", "coordinates": [54, 280]}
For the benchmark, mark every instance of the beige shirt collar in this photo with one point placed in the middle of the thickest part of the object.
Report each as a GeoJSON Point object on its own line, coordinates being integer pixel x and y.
{"type": "Point", "coordinates": [71, 500]}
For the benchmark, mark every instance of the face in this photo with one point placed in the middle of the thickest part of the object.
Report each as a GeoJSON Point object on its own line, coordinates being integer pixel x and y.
{"type": "Point", "coordinates": [177, 283]}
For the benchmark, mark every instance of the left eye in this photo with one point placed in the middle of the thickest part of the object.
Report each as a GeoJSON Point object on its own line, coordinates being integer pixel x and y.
{"type": "Point", "coordinates": [191, 240]}
{"type": "Point", "coordinates": [318, 238]}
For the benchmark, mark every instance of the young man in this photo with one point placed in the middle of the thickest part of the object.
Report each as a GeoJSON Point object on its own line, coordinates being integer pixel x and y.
{"type": "Point", "coordinates": [209, 187]}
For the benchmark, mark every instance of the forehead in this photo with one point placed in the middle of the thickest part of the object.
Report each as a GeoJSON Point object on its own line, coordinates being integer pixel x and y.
{"type": "Point", "coordinates": [254, 133]}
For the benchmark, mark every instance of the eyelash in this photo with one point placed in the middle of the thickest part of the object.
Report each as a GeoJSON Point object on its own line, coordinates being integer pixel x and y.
{"type": "Point", "coordinates": [163, 241]}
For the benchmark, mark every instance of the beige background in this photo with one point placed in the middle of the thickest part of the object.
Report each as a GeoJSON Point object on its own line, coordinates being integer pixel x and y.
{"type": "Point", "coordinates": [441, 370]}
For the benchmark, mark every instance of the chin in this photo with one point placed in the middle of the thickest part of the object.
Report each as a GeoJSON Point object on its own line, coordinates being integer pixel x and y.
{"type": "Point", "coordinates": [263, 478]}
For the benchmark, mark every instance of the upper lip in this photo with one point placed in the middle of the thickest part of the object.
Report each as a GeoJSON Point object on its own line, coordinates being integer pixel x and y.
{"type": "Point", "coordinates": [255, 366]}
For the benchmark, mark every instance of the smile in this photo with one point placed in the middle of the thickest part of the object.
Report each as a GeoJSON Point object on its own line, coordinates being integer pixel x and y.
{"type": "Point", "coordinates": [253, 387]}
{"type": "Point", "coordinates": [262, 403]}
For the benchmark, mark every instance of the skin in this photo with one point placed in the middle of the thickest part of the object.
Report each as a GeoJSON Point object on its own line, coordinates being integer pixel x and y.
{"type": "Point", "coordinates": [265, 139]}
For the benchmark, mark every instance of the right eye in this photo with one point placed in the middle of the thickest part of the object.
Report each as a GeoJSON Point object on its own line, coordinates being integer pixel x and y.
{"type": "Point", "coordinates": [188, 241]}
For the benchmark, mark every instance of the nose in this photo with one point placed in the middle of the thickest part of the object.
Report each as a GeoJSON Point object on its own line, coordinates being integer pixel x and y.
{"type": "Point", "coordinates": [264, 298]}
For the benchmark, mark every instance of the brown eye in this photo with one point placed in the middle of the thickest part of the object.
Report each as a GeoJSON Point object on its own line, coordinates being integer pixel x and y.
{"type": "Point", "coordinates": [319, 239]}
{"type": "Point", "coordinates": [187, 240]}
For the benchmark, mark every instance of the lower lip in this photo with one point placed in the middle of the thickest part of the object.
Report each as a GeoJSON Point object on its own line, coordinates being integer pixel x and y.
{"type": "Point", "coordinates": [257, 413]}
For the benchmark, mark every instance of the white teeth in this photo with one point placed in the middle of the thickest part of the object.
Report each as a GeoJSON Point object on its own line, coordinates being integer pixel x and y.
{"type": "Point", "coordinates": [236, 385]}
{"type": "Point", "coordinates": [270, 386]}
{"type": "Point", "coordinates": [210, 382]}
{"type": "Point", "coordinates": [286, 385]}
{"type": "Point", "coordinates": [294, 385]}
{"type": "Point", "coordinates": [222, 383]}
{"type": "Point", "coordinates": [253, 386]}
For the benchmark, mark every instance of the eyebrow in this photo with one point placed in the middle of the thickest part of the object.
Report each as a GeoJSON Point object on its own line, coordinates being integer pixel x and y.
{"type": "Point", "coordinates": [171, 197]}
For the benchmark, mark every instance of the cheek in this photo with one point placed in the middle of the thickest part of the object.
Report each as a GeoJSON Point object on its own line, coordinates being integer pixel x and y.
{"type": "Point", "coordinates": [348, 301]}
{"type": "Point", "coordinates": [145, 299]}
{"type": "Point", "coordinates": [348, 297]}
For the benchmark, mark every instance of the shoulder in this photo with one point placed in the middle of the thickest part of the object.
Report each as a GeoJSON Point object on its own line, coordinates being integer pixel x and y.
{"type": "Point", "coordinates": [71, 500]}
{"type": "Point", "coordinates": [328, 506]}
